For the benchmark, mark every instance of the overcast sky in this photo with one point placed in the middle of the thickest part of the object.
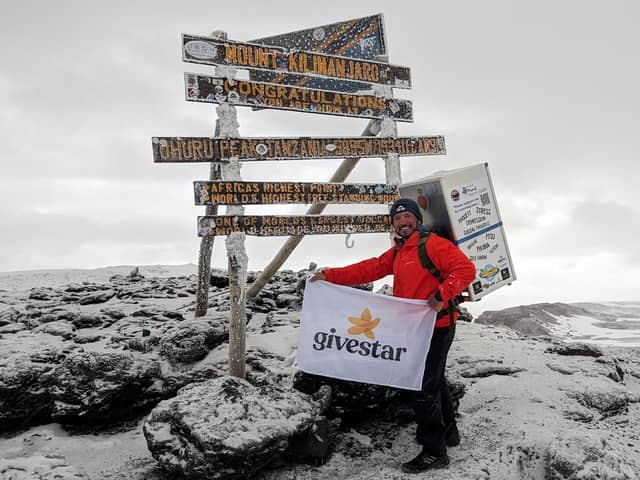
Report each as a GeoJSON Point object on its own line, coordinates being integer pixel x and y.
{"type": "Point", "coordinates": [546, 92]}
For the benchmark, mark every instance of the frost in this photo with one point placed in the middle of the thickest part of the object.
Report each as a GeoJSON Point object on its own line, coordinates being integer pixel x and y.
{"type": "Point", "coordinates": [226, 71]}
{"type": "Point", "coordinates": [384, 91]}
{"type": "Point", "coordinates": [227, 120]}
{"type": "Point", "coordinates": [392, 169]}
{"type": "Point", "coordinates": [388, 128]}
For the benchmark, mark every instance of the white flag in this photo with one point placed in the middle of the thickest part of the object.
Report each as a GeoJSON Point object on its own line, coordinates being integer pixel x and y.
{"type": "Point", "coordinates": [356, 335]}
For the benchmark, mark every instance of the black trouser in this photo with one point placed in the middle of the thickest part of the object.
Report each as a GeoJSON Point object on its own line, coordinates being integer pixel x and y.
{"type": "Point", "coordinates": [433, 405]}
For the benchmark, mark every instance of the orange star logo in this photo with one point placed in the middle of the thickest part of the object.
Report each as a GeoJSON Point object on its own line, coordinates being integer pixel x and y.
{"type": "Point", "coordinates": [364, 324]}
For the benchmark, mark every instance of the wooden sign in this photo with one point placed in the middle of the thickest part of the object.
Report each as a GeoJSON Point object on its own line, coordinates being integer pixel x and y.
{"type": "Point", "coordinates": [202, 88]}
{"type": "Point", "coordinates": [205, 50]}
{"type": "Point", "coordinates": [207, 149]}
{"type": "Point", "coordinates": [356, 38]}
{"type": "Point", "coordinates": [276, 225]}
{"type": "Point", "coordinates": [254, 193]}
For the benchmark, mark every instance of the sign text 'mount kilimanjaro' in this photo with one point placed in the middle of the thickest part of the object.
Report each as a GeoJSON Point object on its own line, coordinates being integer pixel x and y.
{"type": "Point", "coordinates": [202, 88]}
{"type": "Point", "coordinates": [275, 225]}
{"type": "Point", "coordinates": [205, 50]}
{"type": "Point", "coordinates": [254, 193]}
{"type": "Point", "coordinates": [356, 38]}
{"type": "Point", "coordinates": [208, 149]}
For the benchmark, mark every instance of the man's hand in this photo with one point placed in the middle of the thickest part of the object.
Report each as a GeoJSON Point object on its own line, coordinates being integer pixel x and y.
{"type": "Point", "coordinates": [434, 303]}
{"type": "Point", "coordinates": [319, 275]}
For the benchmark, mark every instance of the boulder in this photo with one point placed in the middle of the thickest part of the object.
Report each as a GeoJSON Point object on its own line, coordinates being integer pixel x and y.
{"type": "Point", "coordinates": [23, 399]}
{"type": "Point", "coordinates": [218, 279]}
{"type": "Point", "coordinates": [287, 300]}
{"type": "Point", "coordinates": [191, 340]}
{"type": "Point", "coordinates": [226, 428]}
{"type": "Point", "coordinates": [92, 386]}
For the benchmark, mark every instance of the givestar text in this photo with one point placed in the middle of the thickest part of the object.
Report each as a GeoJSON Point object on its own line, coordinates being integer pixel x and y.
{"type": "Point", "coordinates": [375, 349]}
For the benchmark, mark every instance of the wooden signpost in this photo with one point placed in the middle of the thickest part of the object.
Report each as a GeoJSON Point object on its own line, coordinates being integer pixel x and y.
{"type": "Point", "coordinates": [204, 50]}
{"type": "Point", "coordinates": [277, 225]}
{"type": "Point", "coordinates": [338, 62]}
{"type": "Point", "coordinates": [362, 38]}
{"type": "Point", "coordinates": [256, 193]}
{"type": "Point", "coordinates": [203, 88]}
{"type": "Point", "coordinates": [206, 149]}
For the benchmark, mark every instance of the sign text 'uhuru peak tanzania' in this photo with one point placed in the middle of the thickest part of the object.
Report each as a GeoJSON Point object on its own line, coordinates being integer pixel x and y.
{"type": "Point", "coordinates": [213, 149]}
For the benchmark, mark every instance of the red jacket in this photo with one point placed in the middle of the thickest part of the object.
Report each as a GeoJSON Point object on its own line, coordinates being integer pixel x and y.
{"type": "Point", "coordinates": [410, 278]}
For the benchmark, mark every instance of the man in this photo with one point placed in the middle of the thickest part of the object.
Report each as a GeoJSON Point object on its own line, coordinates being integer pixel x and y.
{"type": "Point", "coordinates": [433, 405]}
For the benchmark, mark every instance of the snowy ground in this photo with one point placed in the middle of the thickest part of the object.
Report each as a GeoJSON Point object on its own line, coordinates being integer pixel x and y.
{"type": "Point", "coordinates": [526, 409]}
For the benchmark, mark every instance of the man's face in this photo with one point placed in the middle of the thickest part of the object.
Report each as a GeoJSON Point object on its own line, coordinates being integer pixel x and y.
{"type": "Point", "coordinates": [405, 223]}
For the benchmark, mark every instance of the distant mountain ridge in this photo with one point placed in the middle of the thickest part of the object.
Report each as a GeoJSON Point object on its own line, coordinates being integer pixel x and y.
{"type": "Point", "coordinates": [615, 323]}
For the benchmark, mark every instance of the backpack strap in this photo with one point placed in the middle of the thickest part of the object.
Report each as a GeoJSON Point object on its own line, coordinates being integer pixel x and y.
{"type": "Point", "coordinates": [426, 262]}
{"type": "Point", "coordinates": [424, 257]}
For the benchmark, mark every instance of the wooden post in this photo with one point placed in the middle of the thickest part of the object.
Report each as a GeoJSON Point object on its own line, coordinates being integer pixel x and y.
{"type": "Point", "coordinates": [206, 244]}
{"type": "Point", "coordinates": [236, 255]}
{"type": "Point", "coordinates": [340, 175]}
{"type": "Point", "coordinates": [206, 247]}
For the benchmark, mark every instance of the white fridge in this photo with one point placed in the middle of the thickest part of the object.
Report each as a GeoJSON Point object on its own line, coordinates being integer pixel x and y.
{"type": "Point", "coordinates": [461, 205]}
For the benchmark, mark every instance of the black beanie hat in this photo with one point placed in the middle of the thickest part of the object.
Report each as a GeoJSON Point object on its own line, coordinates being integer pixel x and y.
{"type": "Point", "coordinates": [406, 205]}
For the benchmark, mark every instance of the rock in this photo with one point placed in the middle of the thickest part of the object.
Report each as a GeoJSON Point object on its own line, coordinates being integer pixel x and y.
{"type": "Point", "coordinates": [39, 467]}
{"type": "Point", "coordinates": [59, 328]}
{"type": "Point", "coordinates": [42, 293]}
{"type": "Point", "coordinates": [483, 371]}
{"type": "Point", "coordinates": [607, 401]}
{"type": "Point", "coordinates": [364, 286]}
{"type": "Point", "coordinates": [351, 401]}
{"type": "Point", "coordinates": [91, 386]}
{"type": "Point", "coordinates": [135, 275]}
{"type": "Point", "coordinates": [99, 297]}
{"type": "Point", "coordinates": [191, 340]}
{"type": "Point", "coordinates": [586, 458]}
{"type": "Point", "coordinates": [83, 339]}
{"type": "Point", "coordinates": [226, 428]}
{"type": "Point", "coordinates": [76, 288]}
{"type": "Point", "coordinates": [87, 320]}
{"type": "Point", "coordinates": [13, 328]}
{"type": "Point", "coordinates": [218, 279]}
{"type": "Point", "coordinates": [385, 290]}
{"type": "Point", "coordinates": [113, 313]}
{"type": "Point", "coordinates": [583, 349]}
{"type": "Point", "coordinates": [10, 315]}
{"type": "Point", "coordinates": [143, 344]}
{"type": "Point", "coordinates": [23, 399]}
{"type": "Point", "coordinates": [287, 300]}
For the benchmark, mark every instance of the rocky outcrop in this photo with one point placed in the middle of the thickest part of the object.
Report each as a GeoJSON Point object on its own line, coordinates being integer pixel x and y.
{"type": "Point", "coordinates": [530, 407]}
{"type": "Point", "coordinates": [192, 340]}
{"type": "Point", "coordinates": [39, 467]}
{"type": "Point", "coordinates": [226, 428]}
{"type": "Point", "coordinates": [94, 387]}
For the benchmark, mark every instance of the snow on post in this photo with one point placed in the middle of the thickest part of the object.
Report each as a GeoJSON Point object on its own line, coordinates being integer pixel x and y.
{"type": "Point", "coordinates": [236, 254]}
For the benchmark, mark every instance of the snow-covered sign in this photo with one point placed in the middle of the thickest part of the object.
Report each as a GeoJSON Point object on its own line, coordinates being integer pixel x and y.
{"type": "Point", "coordinates": [208, 51]}
{"type": "Point", "coordinates": [203, 88]}
{"type": "Point", "coordinates": [361, 336]}
{"type": "Point", "coordinates": [207, 149]}
{"type": "Point", "coordinates": [253, 193]}
{"type": "Point", "coordinates": [279, 225]}
{"type": "Point", "coordinates": [356, 38]}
